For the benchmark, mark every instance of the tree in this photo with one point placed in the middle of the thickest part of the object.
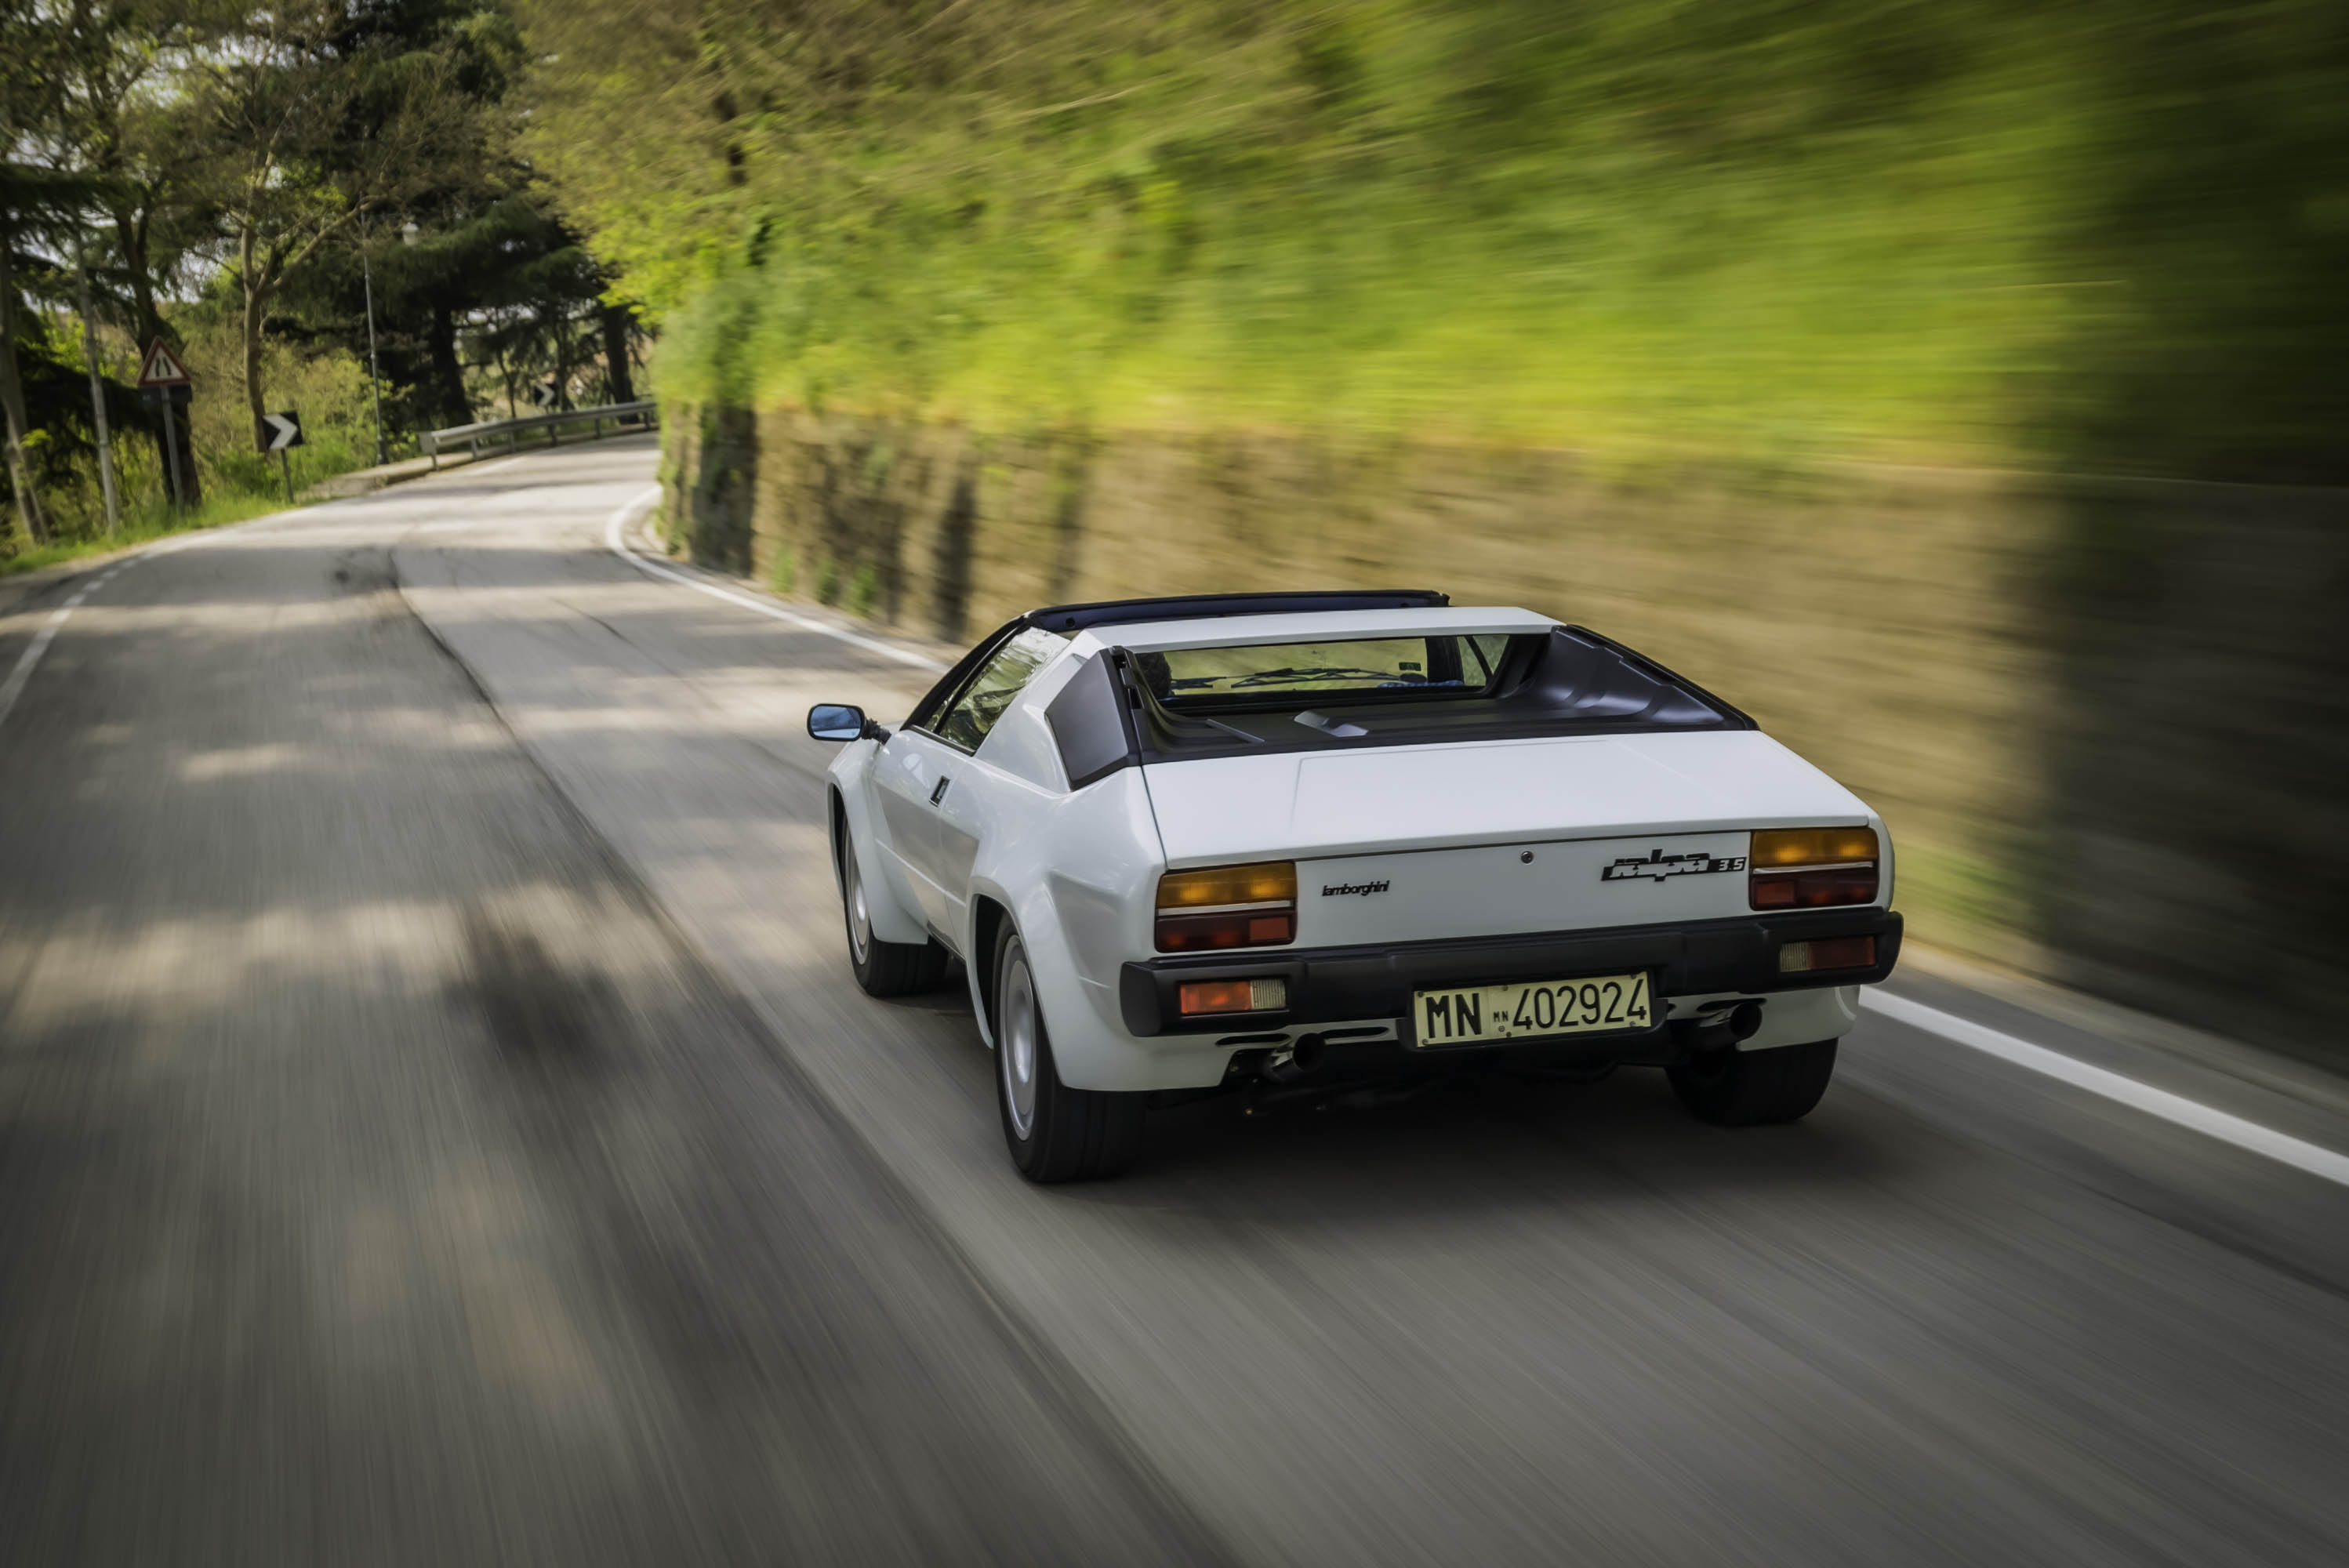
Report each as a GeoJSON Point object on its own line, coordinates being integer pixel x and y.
{"type": "Point", "coordinates": [119, 119]}
{"type": "Point", "coordinates": [27, 45]}
{"type": "Point", "coordinates": [312, 121]}
{"type": "Point", "coordinates": [12, 389]}
{"type": "Point", "coordinates": [502, 279]}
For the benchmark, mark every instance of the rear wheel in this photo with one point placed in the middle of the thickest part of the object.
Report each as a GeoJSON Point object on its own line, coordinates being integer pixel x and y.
{"type": "Point", "coordinates": [1055, 1133]}
{"type": "Point", "coordinates": [1753, 1089]}
{"type": "Point", "coordinates": [883, 968]}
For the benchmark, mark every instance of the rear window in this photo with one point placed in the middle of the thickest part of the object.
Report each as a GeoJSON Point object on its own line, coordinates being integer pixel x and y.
{"type": "Point", "coordinates": [1398, 691]}
{"type": "Point", "coordinates": [1394, 667]}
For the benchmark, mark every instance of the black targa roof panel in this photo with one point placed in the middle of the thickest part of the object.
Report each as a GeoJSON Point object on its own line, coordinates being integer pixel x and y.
{"type": "Point", "coordinates": [1202, 606]}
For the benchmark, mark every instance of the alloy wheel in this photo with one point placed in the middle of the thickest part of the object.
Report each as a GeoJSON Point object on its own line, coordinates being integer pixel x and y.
{"type": "Point", "coordinates": [1016, 1044]}
{"type": "Point", "coordinates": [859, 922]}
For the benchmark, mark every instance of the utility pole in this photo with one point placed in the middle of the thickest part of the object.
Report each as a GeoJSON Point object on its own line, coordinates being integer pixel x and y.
{"type": "Point", "coordinates": [375, 383]}
{"type": "Point", "coordinates": [98, 403]}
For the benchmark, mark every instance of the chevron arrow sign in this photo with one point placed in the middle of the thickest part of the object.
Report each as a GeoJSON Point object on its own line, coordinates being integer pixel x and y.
{"type": "Point", "coordinates": [279, 431]}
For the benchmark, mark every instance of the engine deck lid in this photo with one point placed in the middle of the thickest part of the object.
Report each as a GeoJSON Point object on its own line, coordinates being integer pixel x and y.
{"type": "Point", "coordinates": [1308, 805]}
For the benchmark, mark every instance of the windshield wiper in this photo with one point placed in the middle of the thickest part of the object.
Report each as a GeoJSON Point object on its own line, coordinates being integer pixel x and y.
{"type": "Point", "coordinates": [1322, 673]}
{"type": "Point", "coordinates": [1226, 728]}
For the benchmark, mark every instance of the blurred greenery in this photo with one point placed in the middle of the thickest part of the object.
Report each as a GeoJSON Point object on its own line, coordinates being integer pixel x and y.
{"type": "Point", "coordinates": [2109, 233]}
{"type": "Point", "coordinates": [243, 183]}
{"type": "Point", "coordinates": [328, 386]}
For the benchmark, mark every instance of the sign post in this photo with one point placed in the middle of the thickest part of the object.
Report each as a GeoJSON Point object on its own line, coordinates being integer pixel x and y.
{"type": "Point", "coordinates": [163, 379]}
{"type": "Point", "coordinates": [278, 432]}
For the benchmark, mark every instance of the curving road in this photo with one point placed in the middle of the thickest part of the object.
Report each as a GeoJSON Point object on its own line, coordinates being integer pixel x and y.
{"type": "Point", "coordinates": [437, 1124]}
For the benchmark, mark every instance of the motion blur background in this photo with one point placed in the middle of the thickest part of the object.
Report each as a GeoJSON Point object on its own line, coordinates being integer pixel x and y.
{"type": "Point", "coordinates": [437, 1124]}
{"type": "Point", "coordinates": [1957, 386]}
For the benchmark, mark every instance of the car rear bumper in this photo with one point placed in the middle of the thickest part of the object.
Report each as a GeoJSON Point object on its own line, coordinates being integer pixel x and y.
{"type": "Point", "coordinates": [1331, 984]}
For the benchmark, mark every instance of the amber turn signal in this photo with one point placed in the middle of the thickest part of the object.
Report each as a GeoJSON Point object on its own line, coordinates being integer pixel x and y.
{"type": "Point", "coordinates": [1812, 847]}
{"type": "Point", "coordinates": [1234, 996]}
{"type": "Point", "coordinates": [1267, 881]}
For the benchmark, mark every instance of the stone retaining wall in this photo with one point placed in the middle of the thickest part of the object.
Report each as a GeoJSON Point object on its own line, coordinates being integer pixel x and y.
{"type": "Point", "coordinates": [2104, 720]}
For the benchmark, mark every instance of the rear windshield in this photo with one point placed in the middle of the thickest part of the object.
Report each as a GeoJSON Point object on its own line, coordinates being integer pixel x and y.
{"type": "Point", "coordinates": [1392, 691]}
{"type": "Point", "coordinates": [1271, 673]}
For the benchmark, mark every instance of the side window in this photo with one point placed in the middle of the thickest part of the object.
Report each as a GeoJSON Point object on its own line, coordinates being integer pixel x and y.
{"type": "Point", "coordinates": [998, 681]}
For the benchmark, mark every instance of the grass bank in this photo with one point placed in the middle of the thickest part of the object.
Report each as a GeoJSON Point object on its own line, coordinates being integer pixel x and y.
{"type": "Point", "coordinates": [144, 526]}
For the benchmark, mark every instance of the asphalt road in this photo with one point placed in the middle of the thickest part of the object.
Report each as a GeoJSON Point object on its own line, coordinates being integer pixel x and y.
{"type": "Point", "coordinates": [437, 1124]}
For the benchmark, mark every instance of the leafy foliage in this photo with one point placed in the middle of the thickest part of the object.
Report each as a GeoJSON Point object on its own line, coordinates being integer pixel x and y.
{"type": "Point", "coordinates": [242, 182]}
{"type": "Point", "coordinates": [1971, 230]}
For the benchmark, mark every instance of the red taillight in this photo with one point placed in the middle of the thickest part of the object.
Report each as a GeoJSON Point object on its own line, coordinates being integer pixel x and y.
{"type": "Point", "coordinates": [1809, 889]}
{"type": "Point", "coordinates": [1228, 906]}
{"type": "Point", "coordinates": [1808, 867]}
{"type": "Point", "coordinates": [1194, 933]}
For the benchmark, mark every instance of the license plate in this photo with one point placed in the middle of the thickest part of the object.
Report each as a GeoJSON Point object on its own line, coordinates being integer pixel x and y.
{"type": "Point", "coordinates": [1591, 1005]}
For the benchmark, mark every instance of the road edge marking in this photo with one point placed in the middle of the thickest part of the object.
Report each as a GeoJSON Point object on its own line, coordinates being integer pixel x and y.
{"type": "Point", "coordinates": [195, 539]}
{"type": "Point", "coordinates": [2313, 1159]}
{"type": "Point", "coordinates": [618, 545]}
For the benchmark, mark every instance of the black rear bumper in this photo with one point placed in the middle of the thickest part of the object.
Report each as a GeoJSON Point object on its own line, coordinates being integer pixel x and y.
{"type": "Point", "coordinates": [1333, 985]}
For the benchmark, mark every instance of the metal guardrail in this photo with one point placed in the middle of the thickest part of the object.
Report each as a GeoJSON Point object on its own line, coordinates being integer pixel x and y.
{"type": "Point", "coordinates": [645, 415]}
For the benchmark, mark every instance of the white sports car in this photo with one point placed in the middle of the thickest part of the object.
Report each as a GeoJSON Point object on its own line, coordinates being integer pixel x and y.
{"type": "Point", "coordinates": [1340, 844]}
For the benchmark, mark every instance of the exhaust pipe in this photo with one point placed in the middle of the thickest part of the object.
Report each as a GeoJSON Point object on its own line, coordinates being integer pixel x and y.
{"type": "Point", "coordinates": [1308, 1055]}
{"type": "Point", "coordinates": [1720, 1030]}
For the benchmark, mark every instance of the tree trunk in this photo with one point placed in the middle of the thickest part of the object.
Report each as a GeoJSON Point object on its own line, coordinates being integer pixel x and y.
{"type": "Point", "coordinates": [505, 373]}
{"type": "Point", "coordinates": [12, 396]}
{"type": "Point", "coordinates": [258, 273]}
{"type": "Point", "coordinates": [132, 237]}
{"type": "Point", "coordinates": [448, 374]}
{"type": "Point", "coordinates": [562, 320]}
{"type": "Point", "coordinates": [617, 322]}
{"type": "Point", "coordinates": [255, 312]}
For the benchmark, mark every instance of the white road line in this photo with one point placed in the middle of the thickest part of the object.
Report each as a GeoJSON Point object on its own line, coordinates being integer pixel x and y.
{"type": "Point", "coordinates": [15, 683]}
{"type": "Point", "coordinates": [619, 547]}
{"type": "Point", "coordinates": [2301, 1156]}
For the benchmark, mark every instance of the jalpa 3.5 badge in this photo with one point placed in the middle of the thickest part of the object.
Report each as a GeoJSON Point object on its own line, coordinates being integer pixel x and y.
{"type": "Point", "coordinates": [1656, 865]}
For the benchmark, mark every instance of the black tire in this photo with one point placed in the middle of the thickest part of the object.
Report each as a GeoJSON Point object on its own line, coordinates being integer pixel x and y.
{"type": "Point", "coordinates": [883, 968]}
{"type": "Point", "coordinates": [1066, 1134]}
{"type": "Point", "coordinates": [1754, 1088]}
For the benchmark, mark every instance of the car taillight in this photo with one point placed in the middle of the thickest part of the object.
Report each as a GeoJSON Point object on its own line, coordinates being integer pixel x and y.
{"type": "Point", "coordinates": [1804, 867]}
{"type": "Point", "coordinates": [1228, 906]}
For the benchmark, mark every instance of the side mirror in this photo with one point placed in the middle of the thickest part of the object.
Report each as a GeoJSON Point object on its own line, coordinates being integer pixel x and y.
{"type": "Point", "coordinates": [836, 721]}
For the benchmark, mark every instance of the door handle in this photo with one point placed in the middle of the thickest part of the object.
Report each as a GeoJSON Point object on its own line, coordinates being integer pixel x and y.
{"type": "Point", "coordinates": [938, 793]}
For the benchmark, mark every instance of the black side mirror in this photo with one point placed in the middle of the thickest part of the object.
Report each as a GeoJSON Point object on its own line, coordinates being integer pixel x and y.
{"type": "Point", "coordinates": [838, 721]}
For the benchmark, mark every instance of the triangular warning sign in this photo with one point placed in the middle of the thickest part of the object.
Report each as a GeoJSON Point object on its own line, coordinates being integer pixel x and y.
{"type": "Point", "coordinates": [161, 367]}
